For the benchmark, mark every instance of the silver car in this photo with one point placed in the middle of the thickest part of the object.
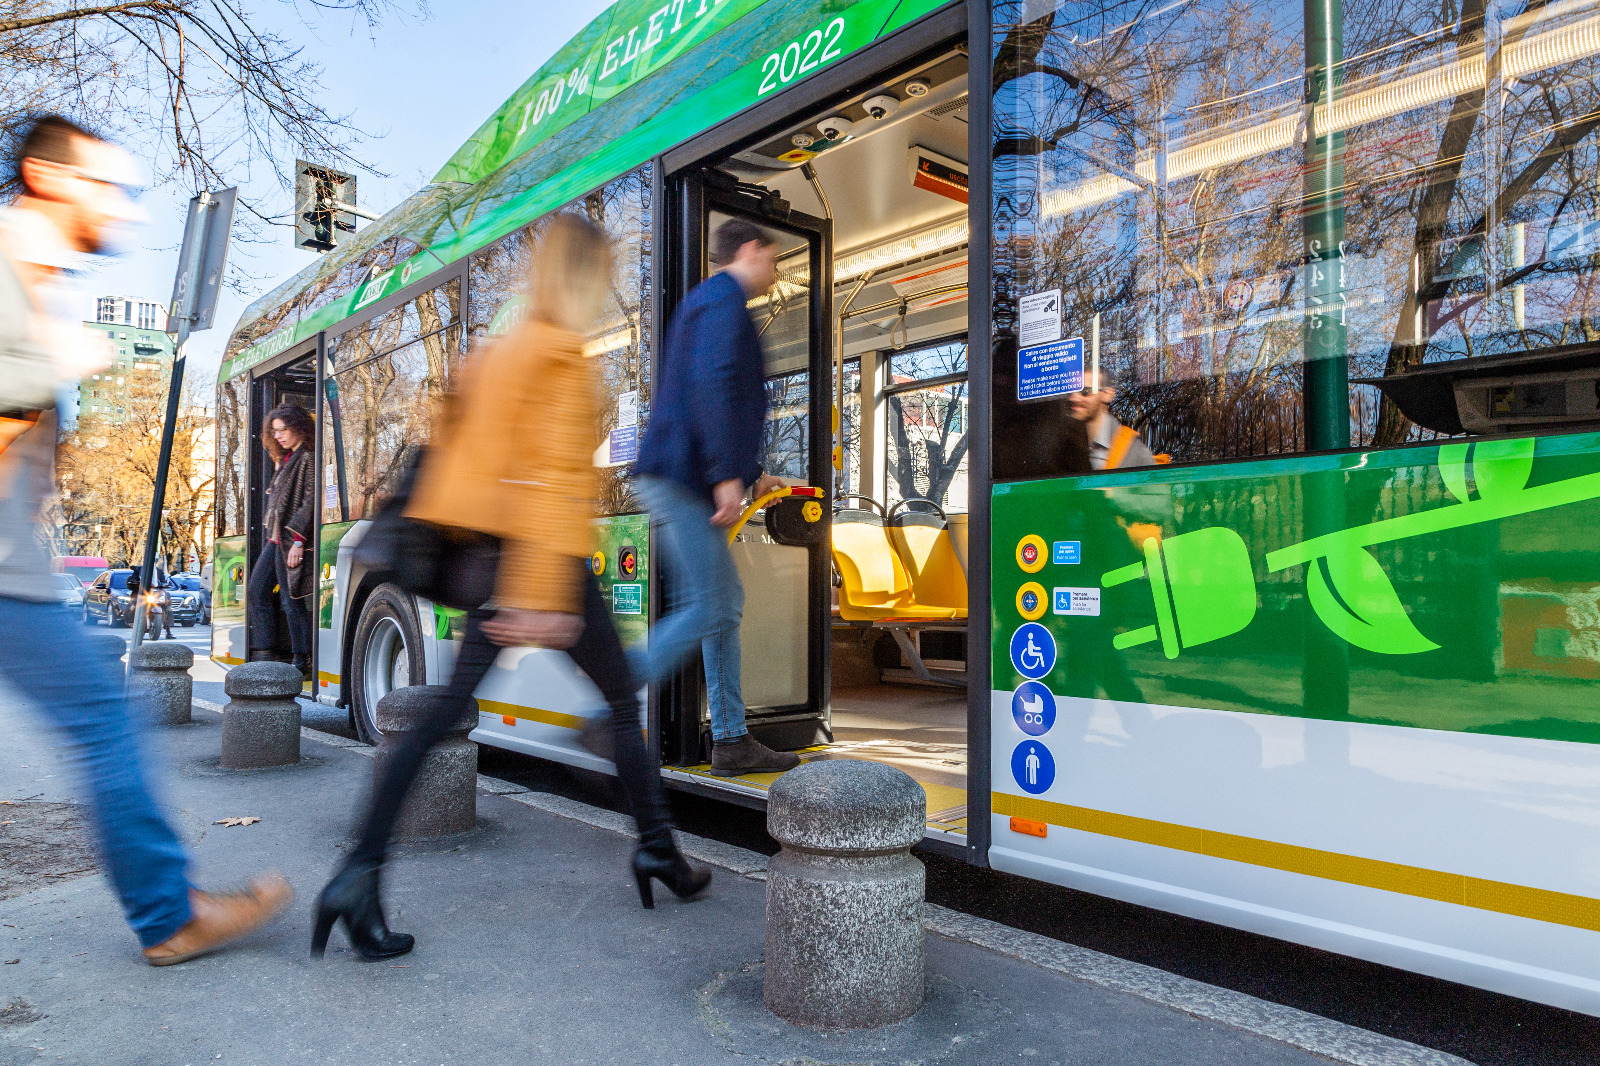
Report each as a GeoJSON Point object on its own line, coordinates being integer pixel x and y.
{"type": "Point", "coordinates": [69, 591]}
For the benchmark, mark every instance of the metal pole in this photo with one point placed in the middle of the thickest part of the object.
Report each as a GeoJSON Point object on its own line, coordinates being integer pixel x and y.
{"type": "Point", "coordinates": [168, 430]}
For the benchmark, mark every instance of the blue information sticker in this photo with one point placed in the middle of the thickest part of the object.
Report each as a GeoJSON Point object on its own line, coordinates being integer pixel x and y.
{"type": "Point", "coordinates": [1033, 650]}
{"type": "Point", "coordinates": [1034, 708]}
{"type": "Point", "coordinates": [623, 444]}
{"type": "Point", "coordinates": [1033, 767]}
{"type": "Point", "coordinates": [1066, 553]}
{"type": "Point", "coordinates": [1053, 369]}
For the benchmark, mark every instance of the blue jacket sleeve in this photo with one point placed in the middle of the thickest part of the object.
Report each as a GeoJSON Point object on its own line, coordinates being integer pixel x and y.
{"type": "Point", "coordinates": [717, 371]}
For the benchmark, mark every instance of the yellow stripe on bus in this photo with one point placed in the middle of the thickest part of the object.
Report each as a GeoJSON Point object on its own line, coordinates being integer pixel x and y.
{"type": "Point", "coordinates": [533, 714]}
{"type": "Point", "coordinates": [230, 660]}
{"type": "Point", "coordinates": [1522, 901]}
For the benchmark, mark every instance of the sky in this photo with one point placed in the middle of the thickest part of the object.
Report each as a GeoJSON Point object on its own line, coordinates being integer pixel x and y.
{"type": "Point", "coordinates": [419, 88]}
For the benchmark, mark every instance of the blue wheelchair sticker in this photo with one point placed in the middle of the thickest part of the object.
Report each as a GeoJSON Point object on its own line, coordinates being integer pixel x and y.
{"type": "Point", "coordinates": [1034, 708]}
{"type": "Point", "coordinates": [1033, 767]}
{"type": "Point", "coordinates": [1033, 650]}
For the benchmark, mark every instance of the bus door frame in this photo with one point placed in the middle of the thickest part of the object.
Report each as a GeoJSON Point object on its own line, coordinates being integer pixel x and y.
{"type": "Point", "coordinates": [676, 709]}
{"type": "Point", "coordinates": [970, 22]}
{"type": "Point", "coordinates": [261, 467]}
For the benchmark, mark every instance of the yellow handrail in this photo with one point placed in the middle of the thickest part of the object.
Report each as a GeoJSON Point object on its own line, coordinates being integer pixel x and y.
{"type": "Point", "coordinates": [763, 501]}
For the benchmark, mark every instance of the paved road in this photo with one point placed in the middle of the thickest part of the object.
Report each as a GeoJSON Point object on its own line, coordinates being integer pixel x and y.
{"type": "Point", "coordinates": [1485, 1028]}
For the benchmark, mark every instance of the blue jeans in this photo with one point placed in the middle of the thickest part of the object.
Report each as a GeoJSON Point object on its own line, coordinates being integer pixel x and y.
{"type": "Point", "coordinates": [46, 656]}
{"type": "Point", "coordinates": [707, 601]}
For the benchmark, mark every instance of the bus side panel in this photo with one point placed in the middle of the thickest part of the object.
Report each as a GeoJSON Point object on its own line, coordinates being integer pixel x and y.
{"type": "Point", "coordinates": [534, 700]}
{"type": "Point", "coordinates": [227, 600]}
{"type": "Point", "coordinates": [332, 551]}
{"type": "Point", "coordinates": [1347, 700]}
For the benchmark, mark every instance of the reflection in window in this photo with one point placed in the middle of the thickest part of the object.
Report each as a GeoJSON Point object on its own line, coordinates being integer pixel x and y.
{"type": "Point", "coordinates": [387, 378]}
{"type": "Point", "coordinates": [1213, 236]}
{"type": "Point", "coordinates": [233, 455]}
{"type": "Point", "coordinates": [926, 446]}
{"type": "Point", "coordinates": [849, 479]}
{"type": "Point", "coordinates": [786, 438]}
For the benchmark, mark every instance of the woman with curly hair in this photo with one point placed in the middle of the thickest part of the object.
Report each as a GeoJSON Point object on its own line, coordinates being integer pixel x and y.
{"type": "Point", "coordinates": [285, 561]}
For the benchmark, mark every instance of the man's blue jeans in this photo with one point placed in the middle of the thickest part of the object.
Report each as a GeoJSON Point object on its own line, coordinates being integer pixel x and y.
{"type": "Point", "coordinates": [44, 655]}
{"type": "Point", "coordinates": [707, 601]}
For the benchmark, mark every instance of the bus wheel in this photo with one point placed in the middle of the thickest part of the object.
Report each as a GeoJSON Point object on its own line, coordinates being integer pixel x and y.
{"type": "Point", "coordinates": [387, 654]}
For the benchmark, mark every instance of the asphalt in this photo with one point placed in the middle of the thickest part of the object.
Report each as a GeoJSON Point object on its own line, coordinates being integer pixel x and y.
{"type": "Point", "coordinates": [532, 948]}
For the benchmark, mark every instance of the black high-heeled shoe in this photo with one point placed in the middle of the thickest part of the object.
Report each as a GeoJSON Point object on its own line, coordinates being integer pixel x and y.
{"type": "Point", "coordinates": [658, 857]}
{"type": "Point", "coordinates": [353, 896]}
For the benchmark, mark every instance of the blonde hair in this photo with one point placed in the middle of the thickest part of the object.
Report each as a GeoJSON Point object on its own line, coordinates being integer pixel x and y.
{"type": "Point", "coordinates": [570, 274]}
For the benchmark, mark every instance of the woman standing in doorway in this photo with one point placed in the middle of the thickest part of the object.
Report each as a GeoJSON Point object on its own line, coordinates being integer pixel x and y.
{"type": "Point", "coordinates": [285, 561]}
{"type": "Point", "coordinates": [514, 463]}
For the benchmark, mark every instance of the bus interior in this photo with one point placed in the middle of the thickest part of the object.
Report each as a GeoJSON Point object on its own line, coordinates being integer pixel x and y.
{"type": "Point", "coordinates": [869, 192]}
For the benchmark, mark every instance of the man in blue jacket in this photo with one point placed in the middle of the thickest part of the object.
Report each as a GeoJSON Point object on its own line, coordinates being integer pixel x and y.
{"type": "Point", "coordinates": [702, 450]}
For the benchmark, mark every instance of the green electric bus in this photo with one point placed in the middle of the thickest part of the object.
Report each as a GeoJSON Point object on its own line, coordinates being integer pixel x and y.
{"type": "Point", "coordinates": [1325, 669]}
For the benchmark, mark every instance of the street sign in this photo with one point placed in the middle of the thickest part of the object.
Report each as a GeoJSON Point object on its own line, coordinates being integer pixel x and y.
{"type": "Point", "coordinates": [201, 261]}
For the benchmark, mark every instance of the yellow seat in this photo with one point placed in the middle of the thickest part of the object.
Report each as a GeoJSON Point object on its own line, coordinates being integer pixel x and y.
{"type": "Point", "coordinates": [930, 561]}
{"type": "Point", "coordinates": [874, 584]}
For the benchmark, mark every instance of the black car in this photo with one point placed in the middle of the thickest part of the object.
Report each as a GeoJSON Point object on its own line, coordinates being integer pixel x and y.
{"type": "Point", "coordinates": [107, 599]}
{"type": "Point", "coordinates": [191, 600]}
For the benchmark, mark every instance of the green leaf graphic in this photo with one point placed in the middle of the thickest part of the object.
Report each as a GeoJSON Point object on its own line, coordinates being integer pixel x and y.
{"type": "Point", "coordinates": [1371, 615]}
{"type": "Point", "coordinates": [1453, 469]}
{"type": "Point", "coordinates": [1501, 467]}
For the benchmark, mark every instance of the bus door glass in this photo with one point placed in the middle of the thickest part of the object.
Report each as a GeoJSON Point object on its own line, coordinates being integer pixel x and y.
{"type": "Point", "coordinates": [783, 653]}
{"type": "Point", "coordinates": [293, 382]}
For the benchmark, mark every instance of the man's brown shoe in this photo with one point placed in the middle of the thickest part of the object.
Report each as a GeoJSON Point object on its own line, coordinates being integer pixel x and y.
{"type": "Point", "coordinates": [747, 755]}
{"type": "Point", "coordinates": [217, 918]}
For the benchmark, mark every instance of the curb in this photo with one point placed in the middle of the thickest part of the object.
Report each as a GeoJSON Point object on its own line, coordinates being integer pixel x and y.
{"type": "Point", "coordinates": [1309, 1032]}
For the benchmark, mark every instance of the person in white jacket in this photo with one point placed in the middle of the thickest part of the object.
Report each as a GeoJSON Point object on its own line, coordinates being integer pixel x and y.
{"type": "Point", "coordinates": [72, 197]}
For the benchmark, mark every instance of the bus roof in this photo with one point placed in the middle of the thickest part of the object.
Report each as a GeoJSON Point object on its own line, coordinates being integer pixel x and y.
{"type": "Point", "coordinates": [642, 77]}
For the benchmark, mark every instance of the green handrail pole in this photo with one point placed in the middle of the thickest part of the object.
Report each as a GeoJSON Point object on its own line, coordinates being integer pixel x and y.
{"type": "Point", "coordinates": [1326, 382]}
{"type": "Point", "coordinates": [1325, 671]}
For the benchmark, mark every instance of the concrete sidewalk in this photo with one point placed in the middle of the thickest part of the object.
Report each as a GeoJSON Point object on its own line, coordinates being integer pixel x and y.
{"type": "Point", "coordinates": [532, 948]}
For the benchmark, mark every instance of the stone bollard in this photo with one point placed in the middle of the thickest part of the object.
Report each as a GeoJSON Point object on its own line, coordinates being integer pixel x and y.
{"type": "Point", "coordinates": [444, 794]}
{"type": "Point", "coordinates": [107, 648]}
{"type": "Point", "coordinates": [160, 678]}
{"type": "Point", "coordinates": [844, 896]}
{"type": "Point", "coordinates": [261, 723]}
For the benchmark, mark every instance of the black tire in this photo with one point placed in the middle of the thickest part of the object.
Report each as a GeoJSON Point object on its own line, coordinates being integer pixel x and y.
{"type": "Point", "coordinates": [119, 622]}
{"type": "Point", "coordinates": [386, 654]}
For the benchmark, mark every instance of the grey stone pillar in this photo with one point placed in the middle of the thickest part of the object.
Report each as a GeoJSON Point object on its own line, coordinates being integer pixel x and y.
{"type": "Point", "coordinates": [261, 723]}
{"type": "Point", "coordinates": [107, 649]}
{"type": "Point", "coordinates": [444, 794]}
{"type": "Point", "coordinates": [159, 677]}
{"type": "Point", "coordinates": [844, 896]}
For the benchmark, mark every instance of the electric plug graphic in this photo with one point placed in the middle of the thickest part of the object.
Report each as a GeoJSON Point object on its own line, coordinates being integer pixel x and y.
{"type": "Point", "coordinates": [1201, 583]}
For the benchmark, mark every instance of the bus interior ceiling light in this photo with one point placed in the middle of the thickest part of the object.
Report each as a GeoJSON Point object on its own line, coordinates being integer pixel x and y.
{"type": "Point", "coordinates": [1386, 97]}
{"type": "Point", "coordinates": [939, 238]}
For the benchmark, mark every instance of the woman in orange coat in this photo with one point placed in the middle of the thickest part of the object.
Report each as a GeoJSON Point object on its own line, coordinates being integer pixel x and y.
{"type": "Point", "coordinates": [515, 464]}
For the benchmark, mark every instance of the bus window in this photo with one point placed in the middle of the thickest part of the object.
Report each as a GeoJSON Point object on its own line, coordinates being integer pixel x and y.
{"type": "Point", "coordinates": [233, 456]}
{"type": "Point", "coordinates": [926, 443]}
{"type": "Point", "coordinates": [387, 376]}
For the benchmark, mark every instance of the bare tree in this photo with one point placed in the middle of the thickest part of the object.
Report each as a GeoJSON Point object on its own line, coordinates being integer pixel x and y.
{"type": "Point", "coordinates": [204, 89]}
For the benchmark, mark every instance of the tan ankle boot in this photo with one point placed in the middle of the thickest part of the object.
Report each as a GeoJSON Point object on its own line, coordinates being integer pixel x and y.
{"type": "Point", "coordinates": [216, 918]}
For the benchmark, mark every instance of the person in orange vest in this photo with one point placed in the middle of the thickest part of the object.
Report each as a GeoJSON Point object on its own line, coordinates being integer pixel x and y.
{"type": "Point", "coordinates": [1112, 445]}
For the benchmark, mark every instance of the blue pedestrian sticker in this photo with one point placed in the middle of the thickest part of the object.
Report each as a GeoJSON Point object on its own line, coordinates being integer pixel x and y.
{"type": "Point", "coordinates": [1034, 708]}
{"type": "Point", "coordinates": [1066, 553]}
{"type": "Point", "coordinates": [1033, 650]}
{"type": "Point", "coordinates": [1033, 767]}
{"type": "Point", "coordinates": [1054, 369]}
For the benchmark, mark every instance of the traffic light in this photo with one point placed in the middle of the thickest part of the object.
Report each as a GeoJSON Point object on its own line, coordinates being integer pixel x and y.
{"type": "Point", "coordinates": [323, 203]}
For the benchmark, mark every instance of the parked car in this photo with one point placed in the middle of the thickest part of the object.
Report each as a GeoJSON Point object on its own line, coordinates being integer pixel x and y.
{"type": "Point", "coordinates": [109, 600]}
{"type": "Point", "coordinates": [70, 591]}
{"type": "Point", "coordinates": [85, 568]}
{"type": "Point", "coordinates": [191, 600]}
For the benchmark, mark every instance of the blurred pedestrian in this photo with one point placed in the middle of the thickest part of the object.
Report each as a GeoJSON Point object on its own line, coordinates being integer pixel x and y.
{"type": "Point", "coordinates": [284, 572]}
{"type": "Point", "coordinates": [1112, 445]}
{"type": "Point", "coordinates": [701, 452]}
{"type": "Point", "coordinates": [514, 465]}
{"type": "Point", "coordinates": [72, 197]}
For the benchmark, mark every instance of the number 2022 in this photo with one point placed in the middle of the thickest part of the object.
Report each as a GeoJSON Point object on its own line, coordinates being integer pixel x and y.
{"type": "Point", "coordinates": [800, 57]}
